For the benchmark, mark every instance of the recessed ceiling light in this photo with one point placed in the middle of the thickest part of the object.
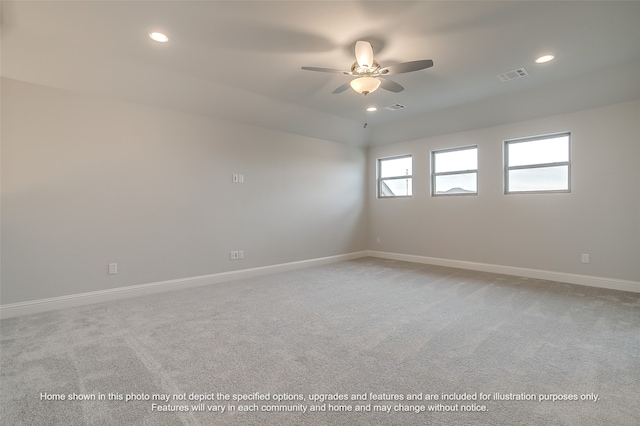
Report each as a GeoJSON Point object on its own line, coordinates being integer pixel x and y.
{"type": "Point", "coordinates": [159, 37]}
{"type": "Point", "coordinates": [372, 109]}
{"type": "Point", "coordinates": [544, 59]}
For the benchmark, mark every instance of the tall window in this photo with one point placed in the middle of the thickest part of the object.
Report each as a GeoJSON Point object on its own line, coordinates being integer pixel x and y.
{"type": "Point", "coordinates": [537, 164]}
{"type": "Point", "coordinates": [454, 171]}
{"type": "Point", "coordinates": [395, 176]}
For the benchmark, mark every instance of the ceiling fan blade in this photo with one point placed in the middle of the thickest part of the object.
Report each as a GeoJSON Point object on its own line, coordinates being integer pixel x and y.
{"type": "Point", "coordinates": [407, 67]}
{"type": "Point", "coordinates": [324, 70]}
{"type": "Point", "coordinates": [364, 53]}
{"type": "Point", "coordinates": [341, 89]}
{"type": "Point", "coordinates": [390, 85]}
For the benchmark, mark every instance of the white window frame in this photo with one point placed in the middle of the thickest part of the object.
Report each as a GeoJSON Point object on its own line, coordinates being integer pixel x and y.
{"type": "Point", "coordinates": [508, 168]}
{"type": "Point", "coordinates": [456, 172]}
{"type": "Point", "coordinates": [380, 180]}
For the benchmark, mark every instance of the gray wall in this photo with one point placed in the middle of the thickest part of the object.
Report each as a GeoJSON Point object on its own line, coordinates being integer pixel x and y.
{"type": "Point", "coordinates": [601, 215]}
{"type": "Point", "coordinates": [87, 181]}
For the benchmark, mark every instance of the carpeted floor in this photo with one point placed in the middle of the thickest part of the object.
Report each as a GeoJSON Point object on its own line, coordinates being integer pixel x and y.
{"type": "Point", "coordinates": [368, 341]}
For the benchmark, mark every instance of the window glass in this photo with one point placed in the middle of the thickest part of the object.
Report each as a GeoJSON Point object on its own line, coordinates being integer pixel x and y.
{"type": "Point", "coordinates": [452, 161]}
{"type": "Point", "coordinates": [466, 183]}
{"type": "Point", "coordinates": [539, 179]}
{"type": "Point", "coordinates": [553, 150]}
{"type": "Point", "coordinates": [391, 167]}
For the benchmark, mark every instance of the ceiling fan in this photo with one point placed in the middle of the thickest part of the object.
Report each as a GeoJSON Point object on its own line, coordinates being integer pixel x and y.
{"type": "Point", "coordinates": [369, 75]}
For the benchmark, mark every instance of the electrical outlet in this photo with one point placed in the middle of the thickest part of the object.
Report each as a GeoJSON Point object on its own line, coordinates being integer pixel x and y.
{"type": "Point", "coordinates": [113, 268]}
{"type": "Point", "coordinates": [235, 178]}
{"type": "Point", "coordinates": [585, 258]}
{"type": "Point", "coordinates": [235, 255]}
{"type": "Point", "coordinates": [378, 240]}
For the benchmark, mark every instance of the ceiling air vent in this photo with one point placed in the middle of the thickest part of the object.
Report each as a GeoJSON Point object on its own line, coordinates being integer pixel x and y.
{"type": "Point", "coordinates": [395, 107]}
{"type": "Point", "coordinates": [510, 75]}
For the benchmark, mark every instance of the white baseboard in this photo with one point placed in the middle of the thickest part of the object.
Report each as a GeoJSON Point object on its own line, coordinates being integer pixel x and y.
{"type": "Point", "coordinates": [54, 303]}
{"type": "Point", "coordinates": [610, 283]}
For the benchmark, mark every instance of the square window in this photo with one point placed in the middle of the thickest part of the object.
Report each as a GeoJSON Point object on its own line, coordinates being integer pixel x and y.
{"type": "Point", "coordinates": [454, 171]}
{"type": "Point", "coordinates": [395, 177]}
{"type": "Point", "coordinates": [539, 164]}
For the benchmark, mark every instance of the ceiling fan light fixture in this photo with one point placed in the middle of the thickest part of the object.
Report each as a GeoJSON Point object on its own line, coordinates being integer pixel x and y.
{"type": "Point", "coordinates": [364, 54]}
{"type": "Point", "coordinates": [365, 85]}
{"type": "Point", "coordinates": [366, 71]}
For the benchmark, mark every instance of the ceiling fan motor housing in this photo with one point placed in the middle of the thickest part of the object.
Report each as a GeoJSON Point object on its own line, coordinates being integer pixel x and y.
{"type": "Point", "coordinates": [361, 71]}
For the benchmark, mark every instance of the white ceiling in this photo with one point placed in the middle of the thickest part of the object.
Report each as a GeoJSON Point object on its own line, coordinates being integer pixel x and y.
{"type": "Point", "coordinates": [240, 60]}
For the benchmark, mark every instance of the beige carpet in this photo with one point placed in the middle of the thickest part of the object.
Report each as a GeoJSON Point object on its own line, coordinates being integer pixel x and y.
{"type": "Point", "coordinates": [368, 341]}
